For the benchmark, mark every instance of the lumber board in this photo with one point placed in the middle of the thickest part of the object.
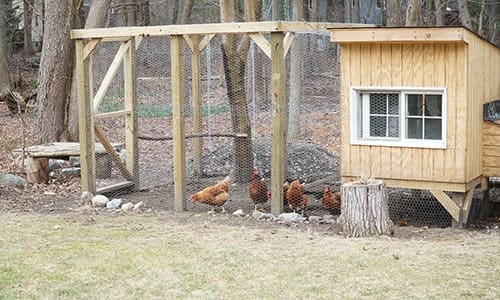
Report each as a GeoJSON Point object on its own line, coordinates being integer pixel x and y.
{"type": "Point", "coordinates": [491, 129]}
{"type": "Point", "coordinates": [287, 43]}
{"type": "Point", "coordinates": [448, 204]}
{"type": "Point", "coordinates": [111, 114]}
{"type": "Point", "coordinates": [491, 150]}
{"type": "Point", "coordinates": [110, 150]}
{"type": "Point", "coordinates": [262, 42]}
{"type": "Point", "coordinates": [400, 35]}
{"type": "Point", "coordinates": [113, 188]}
{"type": "Point", "coordinates": [419, 185]}
{"type": "Point", "coordinates": [89, 47]}
{"type": "Point", "coordinates": [196, 103]}
{"type": "Point", "coordinates": [131, 120]}
{"type": "Point", "coordinates": [60, 149]}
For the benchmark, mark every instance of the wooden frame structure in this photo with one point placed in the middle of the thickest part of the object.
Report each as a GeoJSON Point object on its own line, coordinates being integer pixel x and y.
{"type": "Point", "coordinates": [196, 37]}
{"type": "Point", "coordinates": [452, 58]}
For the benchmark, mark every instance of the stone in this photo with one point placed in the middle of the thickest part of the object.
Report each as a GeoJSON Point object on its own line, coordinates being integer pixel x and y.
{"type": "Point", "coordinates": [55, 164]}
{"type": "Point", "coordinates": [268, 216]}
{"type": "Point", "coordinates": [257, 214]}
{"type": "Point", "coordinates": [100, 201]}
{"type": "Point", "coordinates": [238, 213]}
{"type": "Point", "coordinates": [114, 203]}
{"type": "Point", "coordinates": [12, 180]}
{"type": "Point", "coordinates": [139, 206]}
{"type": "Point", "coordinates": [86, 198]}
{"type": "Point", "coordinates": [70, 172]}
{"type": "Point", "coordinates": [291, 217]}
{"type": "Point", "coordinates": [128, 206]}
{"type": "Point", "coordinates": [74, 161]}
{"type": "Point", "coordinates": [315, 219]}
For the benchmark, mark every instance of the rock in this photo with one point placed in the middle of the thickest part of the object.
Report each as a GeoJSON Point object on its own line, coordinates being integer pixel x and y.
{"type": "Point", "coordinates": [12, 180]}
{"type": "Point", "coordinates": [128, 206]}
{"type": "Point", "coordinates": [114, 203]}
{"type": "Point", "coordinates": [315, 219]}
{"type": "Point", "coordinates": [123, 155]}
{"type": "Point", "coordinates": [100, 201]}
{"type": "Point", "coordinates": [257, 214]}
{"type": "Point", "coordinates": [86, 198]}
{"type": "Point", "coordinates": [70, 171]}
{"type": "Point", "coordinates": [239, 213]}
{"type": "Point", "coordinates": [291, 217]}
{"type": "Point", "coordinates": [268, 216]}
{"type": "Point", "coordinates": [329, 219]}
{"type": "Point", "coordinates": [74, 161]}
{"type": "Point", "coordinates": [55, 164]}
{"type": "Point", "coordinates": [138, 206]}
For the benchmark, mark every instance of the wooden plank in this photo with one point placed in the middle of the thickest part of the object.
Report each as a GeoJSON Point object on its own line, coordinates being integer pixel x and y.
{"type": "Point", "coordinates": [406, 163]}
{"type": "Point", "coordinates": [115, 187]}
{"type": "Point", "coordinates": [462, 116]}
{"type": "Point", "coordinates": [451, 84]}
{"type": "Point", "coordinates": [375, 65]}
{"type": "Point", "coordinates": [189, 41]}
{"type": "Point", "coordinates": [365, 67]}
{"type": "Point", "coordinates": [213, 28]}
{"type": "Point", "coordinates": [392, 35]}
{"type": "Point", "coordinates": [416, 164]}
{"type": "Point", "coordinates": [131, 120]}
{"type": "Point", "coordinates": [491, 129]}
{"type": "Point", "coordinates": [438, 165]}
{"type": "Point", "coordinates": [60, 149]}
{"type": "Point", "coordinates": [287, 43]}
{"type": "Point", "coordinates": [407, 74]}
{"type": "Point", "coordinates": [460, 168]}
{"type": "Point", "coordinates": [447, 203]}
{"type": "Point", "coordinates": [110, 150]}
{"type": "Point", "coordinates": [492, 161]}
{"type": "Point", "coordinates": [196, 104]}
{"type": "Point", "coordinates": [465, 209]}
{"type": "Point", "coordinates": [396, 170]}
{"type": "Point", "coordinates": [262, 42]}
{"type": "Point", "coordinates": [177, 63]}
{"type": "Point", "coordinates": [110, 74]}
{"type": "Point", "coordinates": [376, 164]}
{"type": "Point", "coordinates": [278, 145]}
{"type": "Point", "coordinates": [345, 110]}
{"type": "Point", "coordinates": [365, 162]}
{"type": "Point", "coordinates": [89, 47]}
{"type": "Point", "coordinates": [385, 162]}
{"type": "Point", "coordinates": [491, 150]}
{"type": "Point", "coordinates": [396, 65]}
{"type": "Point", "coordinates": [117, 113]}
{"type": "Point", "coordinates": [417, 184]}
{"type": "Point", "coordinates": [385, 65]}
{"type": "Point", "coordinates": [85, 121]}
{"type": "Point", "coordinates": [491, 171]}
{"type": "Point", "coordinates": [205, 41]}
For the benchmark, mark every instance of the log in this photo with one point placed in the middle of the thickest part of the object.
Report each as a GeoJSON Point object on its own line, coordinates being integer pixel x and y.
{"type": "Point", "coordinates": [37, 170]}
{"type": "Point", "coordinates": [365, 209]}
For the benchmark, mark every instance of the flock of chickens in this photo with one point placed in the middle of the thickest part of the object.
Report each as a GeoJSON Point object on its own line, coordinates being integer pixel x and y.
{"type": "Point", "coordinates": [293, 195]}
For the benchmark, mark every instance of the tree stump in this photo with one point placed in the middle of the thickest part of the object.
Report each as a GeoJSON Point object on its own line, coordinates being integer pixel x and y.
{"type": "Point", "coordinates": [36, 170]}
{"type": "Point", "coordinates": [365, 209]}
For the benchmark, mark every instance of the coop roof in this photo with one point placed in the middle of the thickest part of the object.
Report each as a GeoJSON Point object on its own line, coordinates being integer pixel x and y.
{"type": "Point", "coordinates": [402, 35]}
{"type": "Point", "coordinates": [213, 28]}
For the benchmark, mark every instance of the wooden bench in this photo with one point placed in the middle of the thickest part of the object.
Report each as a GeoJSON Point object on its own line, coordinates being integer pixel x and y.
{"type": "Point", "coordinates": [39, 155]}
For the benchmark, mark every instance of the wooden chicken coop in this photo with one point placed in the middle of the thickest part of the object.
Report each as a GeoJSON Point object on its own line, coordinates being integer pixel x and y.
{"type": "Point", "coordinates": [412, 110]}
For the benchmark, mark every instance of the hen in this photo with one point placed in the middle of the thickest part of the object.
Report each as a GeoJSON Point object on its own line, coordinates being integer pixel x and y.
{"type": "Point", "coordinates": [215, 195]}
{"type": "Point", "coordinates": [258, 190]}
{"type": "Point", "coordinates": [331, 201]}
{"type": "Point", "coordinates": [295, 196]}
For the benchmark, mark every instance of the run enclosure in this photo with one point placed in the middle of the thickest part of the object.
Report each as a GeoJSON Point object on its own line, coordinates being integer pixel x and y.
{"type": "Point", "coordinates": [196, 37]}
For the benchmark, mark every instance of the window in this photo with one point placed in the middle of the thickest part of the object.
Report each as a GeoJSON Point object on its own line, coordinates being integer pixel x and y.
{"type": "Point", "coordinates": [398, 117]}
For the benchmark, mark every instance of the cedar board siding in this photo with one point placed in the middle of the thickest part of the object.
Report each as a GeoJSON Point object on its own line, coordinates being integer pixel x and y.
{"type": "Point", "coordinates": [483, 157]}
{"type": "Point", "coordinates": [408, 65]}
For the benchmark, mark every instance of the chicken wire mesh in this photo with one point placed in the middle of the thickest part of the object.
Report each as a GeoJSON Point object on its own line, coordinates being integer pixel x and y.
{"type": "Point", "coordinates": [312, 85]}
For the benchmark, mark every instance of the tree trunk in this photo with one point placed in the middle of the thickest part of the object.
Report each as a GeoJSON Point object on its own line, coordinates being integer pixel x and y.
{"type": "Point", "coordinates": [336, 10]}
{"type": "Point", "coordinates": [4, 55]}
{"type": "Point", "coordinates": [97, 17]}
{"type": "Point", "coordinates": [414, 13]}
{"type": "Point", "coordinates": [439, 8]}
{"type": "Point", "coordinates": [494, 33]}
{"type": "Point", "coordinates": [28, 15]}
{"type": "Point", "coordinates": [37, 170]}
{"type": "Point", "coordinates": [365, 209]}
{"type": "Point", "coordinates": [277, 9]}
{"type": "Point", "coordinates": [394, 13]}
{"type": "Point", "coordinates": [55, 73]}
{"type": "Point", "coordinates": [186, 11]}
{"type": "Point", "coordinates": [464, 12]}
{"type": "Point", "coordinates": [296, 54]}
{"type": "Point", "coordinates": [234, 58]}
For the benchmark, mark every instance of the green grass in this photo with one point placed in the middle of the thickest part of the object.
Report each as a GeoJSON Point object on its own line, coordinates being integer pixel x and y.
{"type": "Point", "coordinates": [160, 256]}
{"type": "Point", "coordinates": [158, 111]}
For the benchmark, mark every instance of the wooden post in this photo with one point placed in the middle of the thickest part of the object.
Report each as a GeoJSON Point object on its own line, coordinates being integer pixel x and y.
{"type": "Point", "coordinates": [85, 119]}
{"type": "Point", "coordinates": [278, 145]}
{"type": "Point", "coordinates": [178, 122]}
{"type": "Point", "coordinates": [196, 94]}
{"type": "Point", "coordinates": [131, 127]}
{"type": "Point", "coordinates": [365, 209]}
{"type": "Point", "coordinates": [463, 202]}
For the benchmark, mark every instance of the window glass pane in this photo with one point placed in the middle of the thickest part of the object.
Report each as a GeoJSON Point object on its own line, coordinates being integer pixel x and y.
{"type": "Point", "coordinates": [414, 105]}
{"type": "Point", "coordinates": [378, 103]}
{"type": "Point", "coordinates": [393, 104]}
{"type": "Point", "coordinates": [393, 126]}
{"type": "Point", "coordinates": [377, 126]}
{"type": "Point", "coordinates": [433, 129]}
{"type": "Point", "coordinates": [414, 128]}
{"type": "Point", "coordinates": [433, 105]}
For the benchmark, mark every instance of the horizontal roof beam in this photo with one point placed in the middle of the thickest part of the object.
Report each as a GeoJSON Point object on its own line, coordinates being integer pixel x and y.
{"type": "Point", "coordinates": [213, 28]}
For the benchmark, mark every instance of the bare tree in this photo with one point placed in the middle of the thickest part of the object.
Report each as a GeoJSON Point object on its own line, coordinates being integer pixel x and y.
{"type": "Point", "coordinates": [296, 54]}
{"type": "Point", "coordinates": [439, 9]}
{"type": "Point", "coordinates": [186, 11]}
{"type": "Point", "coordinates": [277, 9]}
{"type": "Point", "coordinates": [55, 73]}
{"type": "Point", "coordinates": [4, 55]}
{"type": "Point", "coordinates": [394, 13]}
{"type": "Point", "coordinates": [97, 17]}
{"type": "Point", "coordinates": [414, 13]}
{"type": "Point", "coordinates": [235, 55]}
{"type": "Point", "coordinates": [27, 17]}
{"type": "Point", "coordinates": [464, 12]}
{"type": "Point", "coordinates": [336, 10]}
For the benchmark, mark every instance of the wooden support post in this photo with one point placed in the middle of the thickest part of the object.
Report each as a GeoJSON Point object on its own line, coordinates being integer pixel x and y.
{"type": "Point", "coordinates": [463, 201]}
{"type": "Point", "coordinates": [85, 119]}
{"type": "Point", "coordinates": [131, 126]}
{"type": "Point", "coordinates": [178, 122]}
{"type": "Point", "coordinates": [278, 150]}
{"type": "Point", "coordinates": [196, 94]}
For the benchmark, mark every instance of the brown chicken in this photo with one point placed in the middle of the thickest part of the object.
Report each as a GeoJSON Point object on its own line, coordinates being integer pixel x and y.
{"type": "Point", "coordinates": [295, 196]}
{"type": "Point", "coordinates": [215, 195]}
{"type": "Point", "coordinates": [258, 190]}
{"type": "Point", "coordinates": [331, 201]}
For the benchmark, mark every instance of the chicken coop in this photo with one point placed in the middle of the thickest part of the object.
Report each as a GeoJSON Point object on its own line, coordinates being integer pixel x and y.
{"type": "Point", "coordinates": [412, 110]}
{"type": "Point", "coordinates": [180, 107]}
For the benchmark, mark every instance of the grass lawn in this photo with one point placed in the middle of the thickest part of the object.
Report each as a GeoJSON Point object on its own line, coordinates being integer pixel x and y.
{"type": "Point", "coordinates": [157, 256]}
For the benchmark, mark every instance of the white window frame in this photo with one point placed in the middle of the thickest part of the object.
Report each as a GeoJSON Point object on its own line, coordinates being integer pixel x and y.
{"type": "Point", "coordinates": [401, 141]}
